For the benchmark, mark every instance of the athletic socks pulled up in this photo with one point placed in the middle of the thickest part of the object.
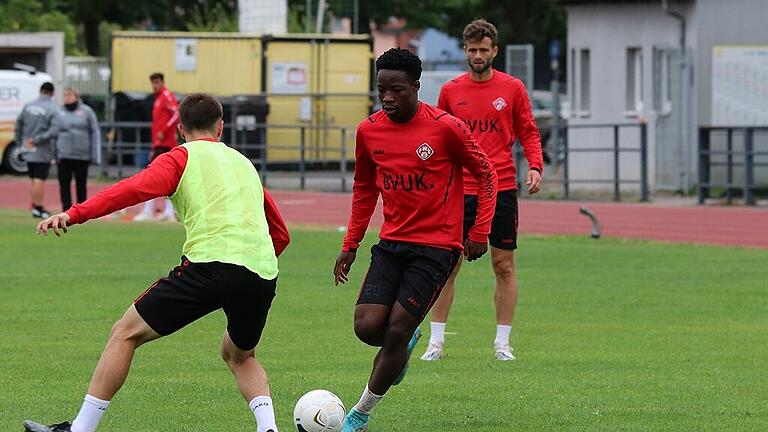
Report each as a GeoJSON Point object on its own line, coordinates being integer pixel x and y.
{"type": "Point", "coordinates": [264, 411]}
{"type": "Point", "coordinates": [90, 414]}
{"type": "Point", "coordinates": [436, 333]}
{"type": "Point", "coordinates": [367, 401]}
{"type": "Point", "coordinates": [502, 334]}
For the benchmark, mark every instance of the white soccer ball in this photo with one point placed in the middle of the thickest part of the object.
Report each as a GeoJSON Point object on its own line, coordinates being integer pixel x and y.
{"type": "Point", "coordinates": [319, 411]}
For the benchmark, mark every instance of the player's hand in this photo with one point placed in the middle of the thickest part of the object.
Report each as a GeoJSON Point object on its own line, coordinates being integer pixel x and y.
{"type": "Point", "coordinates": [58, 223]}
{"type": "Point", "coordinates": [343, 264]}
{"type": "Point", "coordinates": [474, 250]}
{"type": "Point", "coordinates": [161, 136]}
{"type": "Point", "coordinates": [533, 181]}
{"type": "Point", "coordinates": [29, 144]}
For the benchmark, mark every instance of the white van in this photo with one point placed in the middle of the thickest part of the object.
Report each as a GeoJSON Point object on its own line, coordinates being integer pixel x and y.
{"type": "Point", "coordinates": [16, 89]}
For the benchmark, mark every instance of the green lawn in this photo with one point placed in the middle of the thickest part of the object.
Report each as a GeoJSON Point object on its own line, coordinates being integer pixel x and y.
{"type": "Point", "coordinates": [610, 335]}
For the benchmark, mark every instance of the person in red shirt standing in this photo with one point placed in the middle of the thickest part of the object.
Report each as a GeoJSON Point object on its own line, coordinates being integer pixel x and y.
{"type": "Point", "coordinates": [496, 109]}
{"type": "Point", "coordinates": [412, 155]}
{"type": "Point", "coordinates": [165, 118]}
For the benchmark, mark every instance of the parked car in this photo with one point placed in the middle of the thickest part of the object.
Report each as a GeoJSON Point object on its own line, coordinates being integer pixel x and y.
{"type": "Point", "coordinates": [16, 89]}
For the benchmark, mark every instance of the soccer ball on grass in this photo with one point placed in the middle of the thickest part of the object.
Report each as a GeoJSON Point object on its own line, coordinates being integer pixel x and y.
{"type": "Point", "coordinates": [319, 411]}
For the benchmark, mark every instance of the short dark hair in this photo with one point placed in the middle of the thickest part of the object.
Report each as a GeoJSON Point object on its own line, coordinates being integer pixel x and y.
{"type": "Point", "coordinates": [479, 29]}
{"type": "Point", "coordinates": [400, 59]}
{"type": "Point", "coordinates": [46, 88]}
{"type": "Point", "coordinates": [157, 75]}
{"type": "Point", "coordinates": [200, 112]}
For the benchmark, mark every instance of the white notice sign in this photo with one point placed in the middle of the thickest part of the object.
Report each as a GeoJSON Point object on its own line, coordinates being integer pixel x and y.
{"type": "Point", "coordinates": [186, 55]}
{"type": "Point", "coordinates": [289, 78]}
{"type": "Point", "coordinates": [740, 85]}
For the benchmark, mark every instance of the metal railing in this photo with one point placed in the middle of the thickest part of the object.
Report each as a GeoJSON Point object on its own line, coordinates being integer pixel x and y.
{"type": "Point", "coordinates": [748, 153]}
{"type": "Point", "coordinates": [117, 147]}
{"type": "Point", "coordinates": [563, 153]}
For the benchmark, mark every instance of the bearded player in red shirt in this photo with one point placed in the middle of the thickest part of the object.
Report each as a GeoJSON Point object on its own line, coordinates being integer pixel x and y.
{"type": "Point", "coordinates": [412, 154]}
{"type": "Point", "coordinates": [496, 109]}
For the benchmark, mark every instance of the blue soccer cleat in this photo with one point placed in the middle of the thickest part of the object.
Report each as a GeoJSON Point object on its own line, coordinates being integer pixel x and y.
{"type": "Point", "coordinates": [411, 345]}
{"type": "Point", "coordinates": [355, 421]}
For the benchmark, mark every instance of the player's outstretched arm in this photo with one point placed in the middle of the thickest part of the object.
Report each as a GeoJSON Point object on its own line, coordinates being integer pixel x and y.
{"type": "Point", "coordinates": [343, 264]}
{"type": "Point", "coordinates": [58, 223]}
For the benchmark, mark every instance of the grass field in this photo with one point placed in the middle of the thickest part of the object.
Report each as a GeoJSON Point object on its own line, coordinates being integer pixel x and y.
{"type": "Point", "coordinates": [610, 335]}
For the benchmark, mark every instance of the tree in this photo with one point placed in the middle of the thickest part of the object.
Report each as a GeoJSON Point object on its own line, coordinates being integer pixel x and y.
{"type": "Point", "coordinates": [28, 16]}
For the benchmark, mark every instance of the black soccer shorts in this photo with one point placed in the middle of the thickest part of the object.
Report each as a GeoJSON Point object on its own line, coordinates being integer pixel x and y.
{"type": "Point", "coordinates": [504, 225]}
{"type": "Point", "coordinates": [38, 170]}
{"type": "Point", "coordinates": [412, 274]}
{"type": "Point", "coordinates": [193, 290]}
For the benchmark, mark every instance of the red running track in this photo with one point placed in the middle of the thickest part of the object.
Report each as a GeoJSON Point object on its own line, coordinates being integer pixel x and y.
{"type": "Point", "coordinates": [735, 226]}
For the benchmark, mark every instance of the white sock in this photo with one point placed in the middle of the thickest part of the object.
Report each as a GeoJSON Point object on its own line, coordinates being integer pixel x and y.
{"type": "Point", "coordinates": [367, 401]}
{"type": "Point", "coordinates": [169, 208]}
{"type": "Point", "coordinates": [502, 334]}
{"type": "Point", "coordinates": [262, 409]}
{"type": "Point", "coordinates": [90, 414]}
{"type": "Point", "coordinates": [149, 207]}
{"type": "Point", "coordinates": [437, 333]}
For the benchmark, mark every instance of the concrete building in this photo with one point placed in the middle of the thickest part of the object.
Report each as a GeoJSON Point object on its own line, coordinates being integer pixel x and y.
{"type": "Point", "coordinates": [676, 66]}
{"type": "Point", "coordinates": [44, 51]}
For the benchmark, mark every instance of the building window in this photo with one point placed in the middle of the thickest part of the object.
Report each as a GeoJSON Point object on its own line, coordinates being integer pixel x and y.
{"type": "Point", "coordinates": [662, 70]}
{"type": "Point", "coordinates": [572, 84]}
{"type": "Point", "coordinates": [584, 82]}
{"type": "Point", "coordinates": [634, 80]}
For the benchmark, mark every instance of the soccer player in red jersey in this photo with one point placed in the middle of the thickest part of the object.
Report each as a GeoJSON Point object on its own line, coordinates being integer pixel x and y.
{"type": "Point", "coordinates": [234, 234]}
{"type": "Point", "coordinates": [165, 118]}
{"type": "Point", "coordinates": [412, 155]}
{"type": "Point", "coordinates": [496, 109]}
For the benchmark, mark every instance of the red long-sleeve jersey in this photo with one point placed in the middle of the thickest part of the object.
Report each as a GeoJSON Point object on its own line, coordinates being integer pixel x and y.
{"type": "Point", "coordinates": [497, 112]}
{"type": "Point", "coordinates": [416, 167]}
{"type": "Point", "coordinates": [165, 117]}
{"type": "Point", "coordinates": [161, 178]}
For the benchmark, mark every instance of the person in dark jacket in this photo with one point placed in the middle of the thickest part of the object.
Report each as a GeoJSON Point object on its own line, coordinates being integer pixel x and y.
{"type": "Point", "coordinates": [78, 146]}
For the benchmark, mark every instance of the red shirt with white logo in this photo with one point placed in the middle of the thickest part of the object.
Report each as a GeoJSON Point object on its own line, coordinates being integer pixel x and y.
{"type": "Point", "coordinates": [497, 112]}
{"type": "Point", "coordinates": [161, 178]}
{"type": "Point", "coordinates": [416, 167]}
{"type": "Point", "coordinates": [165, 117]}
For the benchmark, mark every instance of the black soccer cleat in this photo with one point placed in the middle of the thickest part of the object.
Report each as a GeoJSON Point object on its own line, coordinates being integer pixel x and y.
{"type": "Point", "coordinates": [30, 426]}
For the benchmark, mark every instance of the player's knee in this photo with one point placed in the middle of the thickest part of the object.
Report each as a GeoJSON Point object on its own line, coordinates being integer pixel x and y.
{"type": "Point", "coordinates": [368, 331]}
{"type": "Point", "coordinates": [124, 331]}
{"type": "Point", "coordinates": [504, 269]}
{"type": "Point", "coordinates": [398, 334]}
{"type": "Point", "coordinates": [235, 356]}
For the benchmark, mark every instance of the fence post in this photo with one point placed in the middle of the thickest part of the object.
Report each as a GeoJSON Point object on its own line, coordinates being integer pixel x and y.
{"type": "Point", "coordinates": [703, 165]}
{"type": "Point", "coordinates": [565, 167]}
{"type": "Point", "coordinates": [302, 158]}
{"type": "Point", "coordinates": [343, 161]}
{"type": "Point", "coordinates": [644, 162]}
{"type": "Point", "coordinates": [119, 145]}
{"type": "Point", "coordinates": [263, 153]}
{"type": "Point", "coordinates": [104, 163]}
{"type": "Point", "coordinates": [616, 193]}
{"type": "Point", "coordinates": [518, 158]}
{"type": "Point", "coordinates": [729, 168]}
{"type": "Point", "coordinates": [137, 146]}
{"type": "Point", "coordinates": [749, 166]}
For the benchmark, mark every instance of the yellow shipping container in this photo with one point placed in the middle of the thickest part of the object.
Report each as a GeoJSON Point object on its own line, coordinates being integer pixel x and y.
{"type": "Point", "coordinates": [224, 64]}
{"type": "Point", "coordinates": [321, 83]}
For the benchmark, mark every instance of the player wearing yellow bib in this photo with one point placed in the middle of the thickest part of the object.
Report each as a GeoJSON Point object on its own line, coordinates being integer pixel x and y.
{"type": "Point", "coordinates": [234, 235]}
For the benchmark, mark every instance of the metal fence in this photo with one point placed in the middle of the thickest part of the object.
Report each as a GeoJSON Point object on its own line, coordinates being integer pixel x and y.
{"type": "Point", "coordinates": [616, 148]}
{"type": "Point", "coordinates": [127, 144]}
{"type": "Point", "coordinates": [730, 153]}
